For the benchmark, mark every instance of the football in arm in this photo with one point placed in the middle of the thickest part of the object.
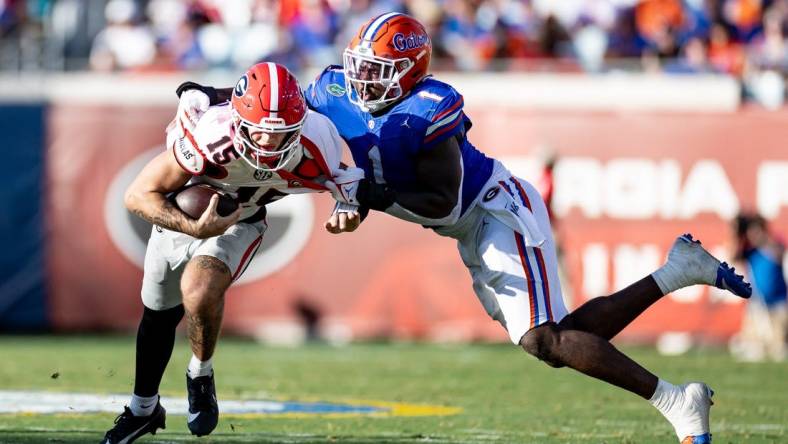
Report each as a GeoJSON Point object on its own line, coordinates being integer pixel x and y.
{"type": "Point", "coordinates": [194, 199]}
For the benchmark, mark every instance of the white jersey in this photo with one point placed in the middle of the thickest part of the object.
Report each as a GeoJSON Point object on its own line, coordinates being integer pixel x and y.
{"type": "Point", "coordinates": [210, 155]}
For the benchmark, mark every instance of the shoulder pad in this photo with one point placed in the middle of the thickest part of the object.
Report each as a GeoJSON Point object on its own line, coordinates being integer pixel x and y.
{"type": "Point", "coordinates": [188, 156]}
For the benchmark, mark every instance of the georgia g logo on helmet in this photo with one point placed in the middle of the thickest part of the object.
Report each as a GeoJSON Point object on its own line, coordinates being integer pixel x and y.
{"type": "Point", "coordinates": [240, 87]}
{"type": "Point", "coordinates": [388, 56]}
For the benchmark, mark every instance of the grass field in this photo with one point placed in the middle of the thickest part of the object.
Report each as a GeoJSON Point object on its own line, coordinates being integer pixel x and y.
{"type": "Point", "coordinates": [504, 395]}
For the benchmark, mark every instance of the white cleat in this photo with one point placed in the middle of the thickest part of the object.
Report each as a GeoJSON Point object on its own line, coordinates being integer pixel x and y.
{"type": "Point", "coordinates": [692, 421]}
{"type": "Point", "coordinates": [691, 264]}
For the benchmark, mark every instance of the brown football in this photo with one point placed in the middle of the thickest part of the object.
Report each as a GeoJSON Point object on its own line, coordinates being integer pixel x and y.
{"type": "Point", "coordinates": [194, 199]}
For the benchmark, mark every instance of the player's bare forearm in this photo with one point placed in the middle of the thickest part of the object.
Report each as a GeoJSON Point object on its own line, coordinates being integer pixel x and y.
{"type": "Point", "coordinates": [145, 196]}
{"type": "Point", "coordinates": [156, 209]}
{"type": "Point", "coordinates": [439, 173]}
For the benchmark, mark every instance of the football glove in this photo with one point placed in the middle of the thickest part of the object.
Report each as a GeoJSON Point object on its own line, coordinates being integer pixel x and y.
{"type": "Point", "coordinates": [344, 185]}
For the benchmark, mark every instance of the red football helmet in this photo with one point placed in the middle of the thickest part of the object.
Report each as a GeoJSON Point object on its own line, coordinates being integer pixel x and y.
{"type": "Point", "coordinates": [267, 99]}
{"type": "Point", "coordinates": [387, 57]}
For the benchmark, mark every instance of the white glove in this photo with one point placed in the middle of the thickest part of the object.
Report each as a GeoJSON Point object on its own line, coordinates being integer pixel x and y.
{"type": "Point", "coordinates": [341, 207]}
{"type": "Point", "coordinates": [191, 106]}
{"type": "Point", "coordinates": [344, 185]}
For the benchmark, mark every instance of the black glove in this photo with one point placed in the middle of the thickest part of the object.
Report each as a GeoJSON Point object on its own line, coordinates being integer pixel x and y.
{"type": "Point", "coordinates": [377, 196]}
{"type": "Point", "coordinates": [210, 91]}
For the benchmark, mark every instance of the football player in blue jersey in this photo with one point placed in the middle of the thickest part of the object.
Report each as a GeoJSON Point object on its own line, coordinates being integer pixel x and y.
{"type": "Point", "coordinates": [408, 132]}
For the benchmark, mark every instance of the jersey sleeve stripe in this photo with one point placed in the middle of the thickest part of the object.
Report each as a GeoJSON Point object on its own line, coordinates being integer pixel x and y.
{"type": "Point", "coordinates": [522, 193]}
{"type": "Point", "coordinates": [431, 129]}
{"type": "Point", "coordinates": [317, 155]}
{"type": "Point", "coordinates": [448, 111]}
{"type": "Point", "coordinates": [443, 130]}
{"type": "Point", "coordinates": [183, 167]}
{"type": "Point", "coordinates": [194, 144]}
{"type": "Point", "coordinates": [294, 181]}
{"type": "Point", "coordinates": [192, 141]}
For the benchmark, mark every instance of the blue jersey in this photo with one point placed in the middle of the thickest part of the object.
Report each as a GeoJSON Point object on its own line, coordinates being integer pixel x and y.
{"type": "Point", "coordinates": [766, 272]}
{"type": "Point", "coordinates": [385, 146]}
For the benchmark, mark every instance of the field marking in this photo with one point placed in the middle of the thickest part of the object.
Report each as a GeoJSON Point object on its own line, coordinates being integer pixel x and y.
{"type": "Point", "coordinates": [37, 402]}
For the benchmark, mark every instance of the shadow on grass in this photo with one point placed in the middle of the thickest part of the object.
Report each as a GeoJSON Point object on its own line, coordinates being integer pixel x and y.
{"type": "Point", "coordinates": [74, 437]}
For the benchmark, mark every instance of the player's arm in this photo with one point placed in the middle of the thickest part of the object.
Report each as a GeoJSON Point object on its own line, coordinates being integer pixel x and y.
{"type": "Point", "coordinates": [146, 197]}
{"type": "Point", "coordinates": [215, 95]}
{"type": "Point", "coordinates": [439, 176]}
{"type": "Point", "coordinates": [436, 199]}
{"type": "Point", "coordinates": [342, 183]}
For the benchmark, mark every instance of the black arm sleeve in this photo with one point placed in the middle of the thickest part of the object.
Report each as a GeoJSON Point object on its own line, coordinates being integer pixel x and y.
{"type": "Point", "coordinates": [375, 196]}
{"type": "Point", "coordinates": [215, 95]}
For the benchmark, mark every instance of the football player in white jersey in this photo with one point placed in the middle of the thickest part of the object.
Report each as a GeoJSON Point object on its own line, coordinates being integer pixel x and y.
{"type": "Point", "coordinates": [260, 146]}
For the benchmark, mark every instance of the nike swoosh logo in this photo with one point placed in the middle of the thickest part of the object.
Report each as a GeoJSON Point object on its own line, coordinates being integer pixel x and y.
{"type": "Point", "coordinates": [145, 406]}
{"type": "Point", "coordinates": [192, 416]}
{"type": "Point", "coordinates": [132, 436]}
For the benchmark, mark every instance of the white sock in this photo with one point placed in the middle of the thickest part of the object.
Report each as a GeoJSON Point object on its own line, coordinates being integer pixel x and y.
{"type": "Point", "coordinates": [199, 368]}
{"type": "Point", "coordinates": [668, 278]}
{"type": "Point", "coordinates": [668, 399]}
{"type": "Point", "coordinates": [141, 406]}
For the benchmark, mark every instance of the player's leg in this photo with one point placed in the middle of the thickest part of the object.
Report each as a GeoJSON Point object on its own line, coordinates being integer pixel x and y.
{"type": "Point", "coordinates": [606, 316]}
{"type": "Point", "coordinates": [162, 311]}
{"type": "Point", "coordinates": [204, 282]}
{"type": "Point", "coordinates": [522, 278]}
{"type": "Point", "coordinates": [688, 264]}
{"type": "Point", "coordinates": [533, 321]}
{"type": "Point", "coordinates": [686, 407]}
{"type": "Point", "coordinates": [215, 264]}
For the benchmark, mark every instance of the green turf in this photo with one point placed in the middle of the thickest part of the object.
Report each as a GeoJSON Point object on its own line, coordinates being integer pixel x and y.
{"type": "Point", "coordinates": [505, 395]}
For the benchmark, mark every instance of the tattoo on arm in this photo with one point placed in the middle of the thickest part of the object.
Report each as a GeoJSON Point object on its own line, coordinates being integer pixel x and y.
{"type": "Point", "coordinates": [166, 216]}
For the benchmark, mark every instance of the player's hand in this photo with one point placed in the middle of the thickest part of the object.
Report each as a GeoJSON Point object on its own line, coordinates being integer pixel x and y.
{"type": "Point", "coordinates": [211, 224]}
{"type": "Point", "coordinates": [344, 219]}
{"type": "Point", "coordinates": [192, 105]}
{"type": "Point", "coordinates": [343, 222]}
{"type": "Point", "coordinates": [344, 184]}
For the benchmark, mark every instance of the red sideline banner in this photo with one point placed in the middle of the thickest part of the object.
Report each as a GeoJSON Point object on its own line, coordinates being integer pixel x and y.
{"type": "Point", "coordinates": [625, 186]}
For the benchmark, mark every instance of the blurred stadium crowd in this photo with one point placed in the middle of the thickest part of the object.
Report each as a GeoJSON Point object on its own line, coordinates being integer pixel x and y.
{"type": "Point", "coordinates": [683, 36]}
{"type": "Point", "coordinates": [742, 38]}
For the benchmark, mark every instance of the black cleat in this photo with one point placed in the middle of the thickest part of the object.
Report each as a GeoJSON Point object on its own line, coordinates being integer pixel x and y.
{"type": "Point", "coordinates": [129, 427]}
{"type": "Point", "coordinates": [203, 408]}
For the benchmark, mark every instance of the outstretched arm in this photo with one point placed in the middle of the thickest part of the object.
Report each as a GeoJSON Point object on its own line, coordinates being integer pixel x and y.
{"type": "Point", "coordinates": [439, 176]}
{"type": "Point", "coordinates": [215, 95]}
{"type": "Point", "coordinates": [435, 200]}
